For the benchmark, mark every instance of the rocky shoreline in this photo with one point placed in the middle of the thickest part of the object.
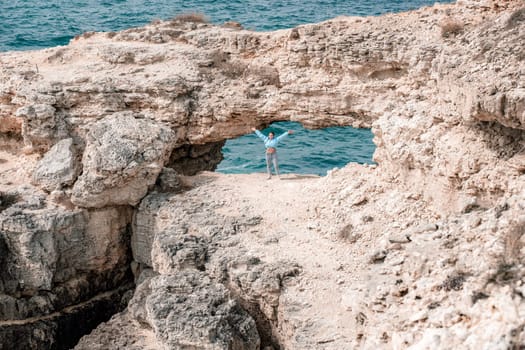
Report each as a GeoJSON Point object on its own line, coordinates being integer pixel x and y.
{"type": "Point", "coordinates": [107, 209]}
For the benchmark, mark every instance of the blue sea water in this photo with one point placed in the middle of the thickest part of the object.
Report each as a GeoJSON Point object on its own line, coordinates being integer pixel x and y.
{"type": "Point", "coordinates": [35, 24]}
{"type": "Point", "coordinates": [303, 152]}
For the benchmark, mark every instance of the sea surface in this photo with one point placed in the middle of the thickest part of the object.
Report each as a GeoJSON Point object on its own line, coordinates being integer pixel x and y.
{"type": "Point", "coordinates": [303, 152]}
{"type": "Point", "coordinates": [36, 24]}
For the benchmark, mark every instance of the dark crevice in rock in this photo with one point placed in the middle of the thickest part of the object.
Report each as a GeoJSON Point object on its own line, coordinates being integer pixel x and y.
{"type": "Point", "coordinates": [506, 274]}
{"type": "Point", "coordinates": [62, 330]}
{"type": "Point", "coordinates": [516, 18]}
{"type": "Point", "coordinates": [77, 276]}
{"type": "Point", "coordinates": [168, 182]}
{"type": "Point", "coordinates": [11, 141]}
{"type": "Point", "coordinates": [7, 200]}
{"type": "Point", "coordinates": [505, 141]}
{"type": "Point", "coordinates": [22, 304]}
{"type": "Point", "coordinates": [264, 325]}
{"type": "Point", "coordinates": [190, 159]}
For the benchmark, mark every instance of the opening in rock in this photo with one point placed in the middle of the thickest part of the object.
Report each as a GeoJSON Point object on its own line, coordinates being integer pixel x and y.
{"type": "Point", "coordinates": [304, 152]}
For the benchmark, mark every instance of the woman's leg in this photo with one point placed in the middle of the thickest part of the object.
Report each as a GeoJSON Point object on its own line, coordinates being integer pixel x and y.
{"type": "Point", "coordinates": [275, 163]}
{"type": "Point", "coordinates": [268, 164]}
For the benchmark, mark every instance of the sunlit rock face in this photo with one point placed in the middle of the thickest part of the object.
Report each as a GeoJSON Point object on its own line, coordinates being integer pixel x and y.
{"type": "Point", "coordinates": [442, 84]}
{"type": "Point", "coordinates": [104, 128]}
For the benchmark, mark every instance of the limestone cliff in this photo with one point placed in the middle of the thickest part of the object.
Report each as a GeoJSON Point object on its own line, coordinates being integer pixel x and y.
{"type": "Point", "coordinates": [423, 251]}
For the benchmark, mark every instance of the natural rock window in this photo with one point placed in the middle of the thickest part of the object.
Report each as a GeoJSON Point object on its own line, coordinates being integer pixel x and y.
{"type": "Point", "coordinates": [304, 152]}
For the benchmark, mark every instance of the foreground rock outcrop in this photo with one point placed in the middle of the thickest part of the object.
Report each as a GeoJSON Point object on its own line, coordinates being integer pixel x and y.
{"type": "Point", "coordinates": [424, 250]}
{"type": "Point", "coordinates": [64, 270]}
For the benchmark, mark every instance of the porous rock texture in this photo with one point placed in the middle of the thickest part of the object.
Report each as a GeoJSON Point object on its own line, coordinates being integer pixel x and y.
{"type": "Point", "coordinates": [184, 310]}
{"type": "Point", "coordinates": [58, 168]}
{"type": "Point", "coordinates": [123, 157]}
{"type": "Point", "coordinates": [424, 250]}
{"type": "Point", "coordinates": [64, 270]}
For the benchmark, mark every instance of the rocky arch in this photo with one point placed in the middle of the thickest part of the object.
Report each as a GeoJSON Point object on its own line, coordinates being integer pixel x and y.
{"type": "Point", "coordinates": [125, 105]}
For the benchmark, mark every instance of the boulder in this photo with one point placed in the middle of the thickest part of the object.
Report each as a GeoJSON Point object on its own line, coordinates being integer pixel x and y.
{"type": "Point", "coordinates": [123, 157]}
{"type": "Point", "coordinates": [58, 168]}
{"type": "Point", "coordinates": [178, 311]}
{"type": "Point", "coordinates": [62, 330]}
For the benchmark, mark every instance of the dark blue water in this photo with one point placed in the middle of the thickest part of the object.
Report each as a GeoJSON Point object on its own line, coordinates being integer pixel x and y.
{"type": "Point", "coordinates": [303, 152]}
{"type": "Point", "coordinates": [34, 24]}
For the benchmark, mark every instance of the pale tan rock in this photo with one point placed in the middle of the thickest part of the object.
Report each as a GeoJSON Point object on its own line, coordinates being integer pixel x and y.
{"type": "Point", "coordinates": [58, 168]}
{"type": "Point", "coordinates": [136, 336]}
{"type": "Point", "coordinates": [42, 127]}
{"type": "Point", "coordinates": [123, 157]}
{"type": "Point", "coordinates": [447, 114]}
{"type": "Point", "coordinates": [208, 319]}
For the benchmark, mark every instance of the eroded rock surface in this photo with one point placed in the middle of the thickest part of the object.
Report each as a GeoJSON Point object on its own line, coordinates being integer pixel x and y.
{"type": "Point", "coordinates": [379, 266]}
{"type": "Point", "coordinates": [59, 266]}
{"type": "Point", "coordinates": [123, 157]}
{"type": "Point", "coordinates": [58, 168]}
{"type": "Point", "coordinates": [424, 250]}
{"type": "Point", "coordinates": [184, 236]}
{"type": "Point", "coordinates": [213, 319]}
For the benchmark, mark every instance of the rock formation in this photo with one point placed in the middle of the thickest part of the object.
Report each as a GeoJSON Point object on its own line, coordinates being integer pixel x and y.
{"type": "Point", "coordinates": [64, 270]}
{"type": "Point", "coordinates": [424, 250]}
{"type": "Point", "coordinates": [123, 157]}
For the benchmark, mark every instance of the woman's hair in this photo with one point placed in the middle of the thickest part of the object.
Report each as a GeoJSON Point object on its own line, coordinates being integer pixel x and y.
{"type": "Point", "coordinates": [272, 133]}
